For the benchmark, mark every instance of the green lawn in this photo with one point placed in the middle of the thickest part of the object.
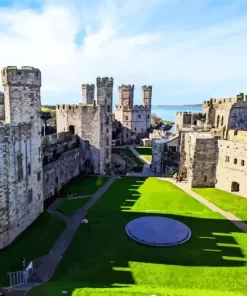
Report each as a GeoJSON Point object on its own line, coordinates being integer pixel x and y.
{"type": "Point", "coordinates": [146, 152]}
{"type": "Point", "coordinates": [69, 207]}
{"type": "Point", "coordinates": [34, 242]}
{"type": "Point", "coordinates": [84, 185]}
{"type": "Point", "coordinates": [227, 201]}
{"type": "Point", "coordinates": [102, 260]}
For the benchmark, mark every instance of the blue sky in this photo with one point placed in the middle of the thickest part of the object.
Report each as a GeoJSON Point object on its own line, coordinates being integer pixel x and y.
{"type": "Point", "coordinates": [188, 50]}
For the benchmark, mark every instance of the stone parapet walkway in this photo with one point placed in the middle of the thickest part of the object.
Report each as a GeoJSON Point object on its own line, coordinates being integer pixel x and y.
{"type": "Point", "coordinates": [229, 216]}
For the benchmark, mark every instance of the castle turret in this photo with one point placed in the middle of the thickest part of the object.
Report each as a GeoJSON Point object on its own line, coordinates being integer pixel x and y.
{"type": "Point", "coordinates": [88, 93]}
{"type": "Point", "coordinates": [147, 95]}
{"type": "Point", "coordinates": [126, 96]}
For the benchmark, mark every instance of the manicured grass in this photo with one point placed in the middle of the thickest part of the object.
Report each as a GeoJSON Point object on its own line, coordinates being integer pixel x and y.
{"type": "Point", "coordinates": [34, 242]}
{"type": "Point", "coordinates": [69, 207]}
{"type": "Point", "coordinates": [146, 152]}
{"type": "Point", "coordinates": [227, 201]}
{"type": "Point", "coordinates": [102, 260]}
{"type": "Point", "coordinates": [84, 185]}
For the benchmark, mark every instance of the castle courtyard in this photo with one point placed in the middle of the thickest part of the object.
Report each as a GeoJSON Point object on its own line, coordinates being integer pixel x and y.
{"type": "Point", "coordinates": [103, 260]}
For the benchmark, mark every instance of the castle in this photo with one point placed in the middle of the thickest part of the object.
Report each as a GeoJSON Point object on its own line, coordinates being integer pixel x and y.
{"type": "Point", "coordinates": [33, 168]}
{"type": "Point", "coordinates": [213, 154]}
{"type": "Point", "coordinates": [135, 119]}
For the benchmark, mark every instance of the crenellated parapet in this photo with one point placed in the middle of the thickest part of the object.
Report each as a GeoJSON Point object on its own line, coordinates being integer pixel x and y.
{"type": "Point", "coordinates": [226, 101]}
{"type": "Point", "coordinates": [126, 87]}
{"type": "Point", "coordinates": [88, 86]}
{"type": "Point", "coordinates": [147, 87]}
{"type": "Point", "coordinates": [26, 75]}
{"type": "Point", "coordinates": [67, 107]}
{"type": "Point", "coordinates": [104, 82]}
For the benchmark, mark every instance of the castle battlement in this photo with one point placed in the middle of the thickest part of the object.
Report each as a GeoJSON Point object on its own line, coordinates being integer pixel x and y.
{"type": "Point", "coordinates": [128, 87]}
{"type": "Point", "coordinates": [88, 86]}
{"type": "Point", "coordinates": [232, 100]}
{"type": "Point", "coordinates": [104, 82]}
{"type": "Point", "coordinates": [147, 87]}
{"type": "Point", "coordinates": [141, 107]}
{"type": "Point", "coordinates": [66, 107]}
{"type": "Point", "coordinates": [26, 75]}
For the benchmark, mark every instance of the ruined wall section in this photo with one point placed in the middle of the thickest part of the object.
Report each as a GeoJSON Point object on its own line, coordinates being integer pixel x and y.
{"type": "Point", "coordinates": [67, 166]}
{"type": "Point", "coordinates": [198, 159]}
{"type": "Point", "coordinates": [232, 166]}
{"type": "Point", "coordinates": [105, 99]}
{"type": "Point", "coordinates": [21, 187]}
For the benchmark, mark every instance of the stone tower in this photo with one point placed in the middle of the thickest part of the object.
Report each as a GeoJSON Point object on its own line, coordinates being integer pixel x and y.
{"type": "Point", "coordinates": [104, 99]}
{"type": "Point", "coordinates": [126, 96]}
{"type": "Point", "coordinates": [88, 93]}
{"type": "Point", "coordinates": [21, 174]}
{"type": "Point", "coordinates": [147, 95]}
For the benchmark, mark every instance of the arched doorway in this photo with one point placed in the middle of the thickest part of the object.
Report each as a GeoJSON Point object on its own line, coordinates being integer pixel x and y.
{"type": "Point", "coordinates": [211, 115]}
{"type": "Point", "coordinates": [218, 121]}
{"type": "Point", "coordinates": [72, 129]}
{"type": "Point", "coordinates": [235, 187]}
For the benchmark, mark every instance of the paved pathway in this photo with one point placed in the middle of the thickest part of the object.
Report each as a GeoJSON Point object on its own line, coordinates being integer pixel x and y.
{"type": "Point", "coordinates": [229, 216]}
{"type": "Point", "coordinates": [47, 265]}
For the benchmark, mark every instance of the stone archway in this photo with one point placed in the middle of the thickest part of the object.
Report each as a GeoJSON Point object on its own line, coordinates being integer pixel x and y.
{"type": "Point", "coordinates": [235, 187]}
{"type": "Point", "coordinates": [72, 129]}
{"type": "Point", "coordinates": [211, 115]}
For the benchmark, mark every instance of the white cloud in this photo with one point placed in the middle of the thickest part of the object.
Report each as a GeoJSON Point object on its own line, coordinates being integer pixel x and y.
{"type": "Point", "coordinates": [117, 43]}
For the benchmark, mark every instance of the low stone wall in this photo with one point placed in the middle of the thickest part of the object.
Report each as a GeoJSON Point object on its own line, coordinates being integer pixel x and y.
{"type": "Point", "coordinates": [59, 172]}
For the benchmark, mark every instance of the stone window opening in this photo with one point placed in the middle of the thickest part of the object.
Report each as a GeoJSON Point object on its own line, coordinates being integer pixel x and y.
{"type": "Point", "coordinates": [222, 121]}
{"type": "Point", "coordinates": [227, 158]}
{"type": "Point", "coordinates": [205, 179]}
{"type": "Point", "coordinates": [235, 187]}
{"type": "Point", "coordinates": [19, 168]}
{"type": "Point", "coordinates": [37, 74]}
{"type": "Point", "coordinates": [30, 196]}
{"type": "Point", "coordinates": [107, 120]}
{"type": "Point", "coordinates": [139, 116]}
{"type": "Point", "coordinates": [29, 169]}
{"type": "Point", "coordinates": [108, 109]}
{"type": "Point", "coordinates": [235, 161]}
{"type": "Point", "coordinates": [135, 128]}
{"type": "Point", "coordinates": [18, 72]}
{"type": "Point", "coordinates": [107, 141]}
{"type": "Point", "coordinates": [218, 121]}
{"type": "Point", "coordinates": [126, 117]}
{"type": "Point", "coordinates": [235, 133]}
{"type": "Point", "coordinates": [148, 116]}
{"type": "Point", "coordinates": [107, 130]}
{"type": "Point", "coordinates": [242, 162]}
{"type": "Point", "coordinates": [38, 176]}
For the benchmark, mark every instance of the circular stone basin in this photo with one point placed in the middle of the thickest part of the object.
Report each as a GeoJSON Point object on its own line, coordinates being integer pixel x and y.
{"type": "Point", "coordinates": [158, 231]}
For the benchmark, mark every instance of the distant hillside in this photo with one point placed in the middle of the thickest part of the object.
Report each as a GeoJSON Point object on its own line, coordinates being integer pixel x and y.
{"type": "Point", "coordinates": [49, 109]}
{"type": "Point", "coordinates": [192, 105]}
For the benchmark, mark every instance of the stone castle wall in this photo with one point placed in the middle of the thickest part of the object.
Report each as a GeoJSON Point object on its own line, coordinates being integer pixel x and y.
{"type": "Point", "coordinates": [67, 166]}
{"type": "Point", "coordinates": [21, 190]}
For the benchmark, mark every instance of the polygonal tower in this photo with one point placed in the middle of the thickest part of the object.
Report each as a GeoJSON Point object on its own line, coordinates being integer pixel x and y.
{"type": "Point", "coordinates": [126, 96]}
{"type": "Point", "coordinates": [147, 95]}
{"type": "Point", "coordinates": [88, 94]}
{"type": "Point", "coordinates": [104, 99]}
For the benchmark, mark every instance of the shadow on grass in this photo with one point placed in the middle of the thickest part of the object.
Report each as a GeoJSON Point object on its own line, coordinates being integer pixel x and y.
{"type": "Point", "coordinates": [102, 255]}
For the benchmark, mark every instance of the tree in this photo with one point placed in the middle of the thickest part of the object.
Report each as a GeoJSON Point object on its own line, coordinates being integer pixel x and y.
{"type": "Point", "coordinates": [155, 119]}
